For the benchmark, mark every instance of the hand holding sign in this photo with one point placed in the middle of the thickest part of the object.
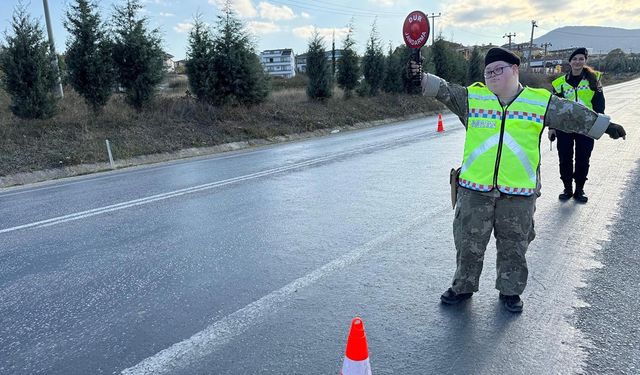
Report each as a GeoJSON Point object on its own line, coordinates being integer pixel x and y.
{"type": "Point", "coordinates": [415, 33]}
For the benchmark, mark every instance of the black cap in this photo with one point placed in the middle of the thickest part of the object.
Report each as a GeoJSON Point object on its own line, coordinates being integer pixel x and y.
{"type": "Point", "coordinates": [579, 51]}
{"type": "Point", "coordinates": [501, 54]}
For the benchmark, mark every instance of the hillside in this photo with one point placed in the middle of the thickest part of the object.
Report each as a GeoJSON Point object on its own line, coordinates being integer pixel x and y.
{"type": "Point", "coordinates": [601, 39]}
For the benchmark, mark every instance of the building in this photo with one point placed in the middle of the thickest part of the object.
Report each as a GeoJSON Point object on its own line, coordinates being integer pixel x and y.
{"type": "Point", "coordinates": [181, 66]}
{"type": "Point", "coordinates": [169, 66]}
{"type": "Point", "coordinates": [523, 49]}
{"type": "Point", "coordinates": [279, 62]}
{"type": "Point", "coordinates": [301, 60]}
{"type": "Point", "coordinates": [467, 50]}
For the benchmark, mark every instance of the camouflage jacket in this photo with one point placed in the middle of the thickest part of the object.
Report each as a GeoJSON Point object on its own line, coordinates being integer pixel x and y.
{"type": "Point", "coordinates": [562, 114]}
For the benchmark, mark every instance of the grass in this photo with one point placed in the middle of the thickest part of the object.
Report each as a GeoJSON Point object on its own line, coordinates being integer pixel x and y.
{"type": "Point", "coordinates": [172, 122]}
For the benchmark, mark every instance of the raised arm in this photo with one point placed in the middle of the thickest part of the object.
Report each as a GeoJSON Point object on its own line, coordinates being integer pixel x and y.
{"type": "Point", "coordinates": [571, 117]}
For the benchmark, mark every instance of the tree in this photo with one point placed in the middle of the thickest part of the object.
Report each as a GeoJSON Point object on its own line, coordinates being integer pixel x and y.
{"type": "Point", "coordinates": [318, 70]}
{"type": "Point", "coordinates": [476, 66]}
{"type": "Point", "coordinates": [373, 63]}
{"type": "Point", "coordinates": [333, 54]}
{"type": "Point", "coordinates": [90, 69]}
{"type": "Point", "coordinates": [29, 76]}
{"type": "Point", "coordinates": [237, 77]}
{"type": "Point", "coordinates": [348, 65]}
{"type": "Point", "coordinates": [448, 63]}
{"type": "Point", "coordinates": [137, 53]}
{"type": "Point", "coordinates": [395, 70]}
{"type": "Point", "coordinates": [199, 57]}
{"type": "Point", "coordinates": [616, 61]}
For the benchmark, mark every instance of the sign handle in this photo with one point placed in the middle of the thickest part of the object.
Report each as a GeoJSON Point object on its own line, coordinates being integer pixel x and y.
{"type": "Point", "coordinates": [416, 79]}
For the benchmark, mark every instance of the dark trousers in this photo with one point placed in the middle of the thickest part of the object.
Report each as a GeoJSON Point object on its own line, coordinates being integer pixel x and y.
{"type": "Point", "coordinates": [583, 147]}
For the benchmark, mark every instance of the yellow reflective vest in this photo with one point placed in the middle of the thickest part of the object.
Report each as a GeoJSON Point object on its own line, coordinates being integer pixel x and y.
{"type": "Point", "coordinates": [502, 144]}
{"type": "Point", "coordinates": [581, 94]}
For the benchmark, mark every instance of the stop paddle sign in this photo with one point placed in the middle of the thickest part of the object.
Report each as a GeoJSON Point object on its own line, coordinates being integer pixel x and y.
{"type": "Point", "coordinates": [416, 29]}
{"type": "Point", "coordinates": [415, 33]}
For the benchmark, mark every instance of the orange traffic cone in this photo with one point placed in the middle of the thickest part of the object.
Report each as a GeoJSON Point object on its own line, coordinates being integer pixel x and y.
{"type": "Point", "coordinates": [356, 360]}
{"type": "Point", "coordinates": [440, 124]}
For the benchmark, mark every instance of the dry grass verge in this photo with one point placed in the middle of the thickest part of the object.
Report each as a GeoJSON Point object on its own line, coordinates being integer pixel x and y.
{"type": "Point", "coordinates": [75, 136]}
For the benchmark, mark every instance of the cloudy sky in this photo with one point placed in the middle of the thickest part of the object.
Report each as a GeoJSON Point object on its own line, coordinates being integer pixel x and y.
{"type": "Point", "coordinates": [289, 23]}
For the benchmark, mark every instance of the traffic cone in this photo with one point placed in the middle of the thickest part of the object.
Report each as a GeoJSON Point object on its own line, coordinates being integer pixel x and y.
{"type": "Point", "coordinates": [356, 360]}
{"type": "Point", "coordinates": [440, 124]}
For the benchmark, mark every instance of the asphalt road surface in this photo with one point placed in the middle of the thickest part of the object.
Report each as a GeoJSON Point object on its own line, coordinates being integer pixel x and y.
{"type": "Point", "coordinates": [255, 262]}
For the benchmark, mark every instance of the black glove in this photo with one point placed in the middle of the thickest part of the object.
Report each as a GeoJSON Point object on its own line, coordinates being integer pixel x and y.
{"type": "Point", "coordinates": [616, 131]}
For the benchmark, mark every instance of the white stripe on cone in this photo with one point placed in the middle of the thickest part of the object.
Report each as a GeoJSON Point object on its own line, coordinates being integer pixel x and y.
{"type": "Point", "coordinates": [351, 367]}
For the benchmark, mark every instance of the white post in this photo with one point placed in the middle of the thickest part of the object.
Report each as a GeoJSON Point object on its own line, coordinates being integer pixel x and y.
{"type": "Point", "coordinates": [110, 155]}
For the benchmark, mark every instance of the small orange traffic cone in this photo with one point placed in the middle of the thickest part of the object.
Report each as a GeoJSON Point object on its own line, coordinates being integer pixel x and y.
{"type": "Point", "coordinates": [356, 360]}
{"type": "Point", "coordinates": [440, 124]}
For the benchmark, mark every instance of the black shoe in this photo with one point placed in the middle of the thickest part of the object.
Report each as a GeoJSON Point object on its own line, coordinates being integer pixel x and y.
{"type": "Point", "coordinates": [512, 303]}
{"type": "Point", "coordinates": [580, 197]}
{"type": "Point", "coordinates": [451, 298]}
{"type": "Point", "coordinates": [566, 195]}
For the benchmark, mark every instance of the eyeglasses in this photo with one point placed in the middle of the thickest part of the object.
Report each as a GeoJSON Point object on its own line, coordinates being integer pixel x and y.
{"type": "Point", "coordinates": [495, 72]}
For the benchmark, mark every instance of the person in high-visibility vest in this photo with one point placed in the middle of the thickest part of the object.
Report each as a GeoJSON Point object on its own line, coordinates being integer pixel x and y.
{"type": "Point", "coordinates": [499, 180]}
{"type": "Point", "coordinates": [582, 85]}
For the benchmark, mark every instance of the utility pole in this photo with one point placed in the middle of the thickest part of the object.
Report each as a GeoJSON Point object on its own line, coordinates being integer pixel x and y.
{"type": "Point", "coordinates": [510, 35]}
{"type": "Point", "coordinates": [54, 57]}
{"type": "Point", "coordinates": [534, 24]}
{"type": "Point", "coordinates": [544, 61]}
{"type": "Point", "coordinates": [433, 22]}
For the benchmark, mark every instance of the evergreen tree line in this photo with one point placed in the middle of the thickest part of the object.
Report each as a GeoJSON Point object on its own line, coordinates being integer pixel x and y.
{"type": "Point", "coordinates": [222, 64]}
{"type": "Point", "coordinates": [376, 72]}
{"type": "Point", "coordinates": [617, 61]}
{"type": "Point", "coordinates": [98, 59]}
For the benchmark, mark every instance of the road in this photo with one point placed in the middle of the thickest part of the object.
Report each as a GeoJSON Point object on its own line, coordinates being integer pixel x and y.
{"type": "Point", "coordinates": [256, 262]}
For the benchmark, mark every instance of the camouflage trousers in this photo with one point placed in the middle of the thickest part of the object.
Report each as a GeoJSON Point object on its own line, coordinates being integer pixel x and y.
{"type": "Point", "coordinates": [510, 218]}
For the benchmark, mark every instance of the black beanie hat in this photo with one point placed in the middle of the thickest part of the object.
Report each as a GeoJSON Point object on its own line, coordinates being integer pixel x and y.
{"type": "Point", "coordinates": [501, 54]}
{"type": "Point", "coordinates": [579, 51]}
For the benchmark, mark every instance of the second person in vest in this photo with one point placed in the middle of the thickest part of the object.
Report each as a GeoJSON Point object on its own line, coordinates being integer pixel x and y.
{"type": "Point", "coordinates": [581, 85]}
{"type": "Point", "coordinates": [500, 177]}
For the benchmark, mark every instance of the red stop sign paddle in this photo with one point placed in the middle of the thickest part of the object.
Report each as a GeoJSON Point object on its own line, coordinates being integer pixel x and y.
{"type": "Point", "coordinates": [415, 33]}
{"type": "Point", "coordinates": [416, 29]}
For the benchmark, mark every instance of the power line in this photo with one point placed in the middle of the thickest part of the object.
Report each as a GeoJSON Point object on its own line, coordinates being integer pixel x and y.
{"type": "Point", "coordinates": [340, 6]}
{"type": "Point", "coordinates": [589, 35]}
{"type": "Point", "coordinates": [341, 10]}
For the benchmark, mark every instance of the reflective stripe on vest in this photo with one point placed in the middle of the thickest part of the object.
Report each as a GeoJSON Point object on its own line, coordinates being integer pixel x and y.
{"type": "Point", "coordinates": [581, 94]}
{"type": "Point", "coordinates": [502, 145]}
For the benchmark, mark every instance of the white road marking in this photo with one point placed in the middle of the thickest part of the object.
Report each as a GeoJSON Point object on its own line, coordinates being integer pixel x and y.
{"type": "Point", "coordinates": [216, 335]}
{"type": "Point", "coordinates": [193, 189]}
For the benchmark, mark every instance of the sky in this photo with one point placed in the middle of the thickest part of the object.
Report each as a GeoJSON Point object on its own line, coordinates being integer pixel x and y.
{"type": "Point", "coordinates": [278, 24]}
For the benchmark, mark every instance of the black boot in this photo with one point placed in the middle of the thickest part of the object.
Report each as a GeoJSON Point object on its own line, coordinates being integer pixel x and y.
{"type": "Point", "coordinates": [579, 195]}
{"type": "Point", "coordinates": [568, 191]}
{"type": "Point", "coordinates": [512, 303]}
{"type": "Point", "coordinates": [449, 297]}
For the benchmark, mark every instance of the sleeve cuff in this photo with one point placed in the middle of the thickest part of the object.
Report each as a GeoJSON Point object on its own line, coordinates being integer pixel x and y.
{"type": "Point", "coordinates": [430, 84]}
{"type": "Point", "coordinates": [599, 127]}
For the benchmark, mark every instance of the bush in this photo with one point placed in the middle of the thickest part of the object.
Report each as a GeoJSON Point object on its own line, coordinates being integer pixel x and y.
{"type": "Point", "coordinates": [301, 80]}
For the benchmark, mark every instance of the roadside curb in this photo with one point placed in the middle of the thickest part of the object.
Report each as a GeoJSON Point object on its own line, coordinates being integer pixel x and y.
{"type": "Point", "coordinates": [26, 178]}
